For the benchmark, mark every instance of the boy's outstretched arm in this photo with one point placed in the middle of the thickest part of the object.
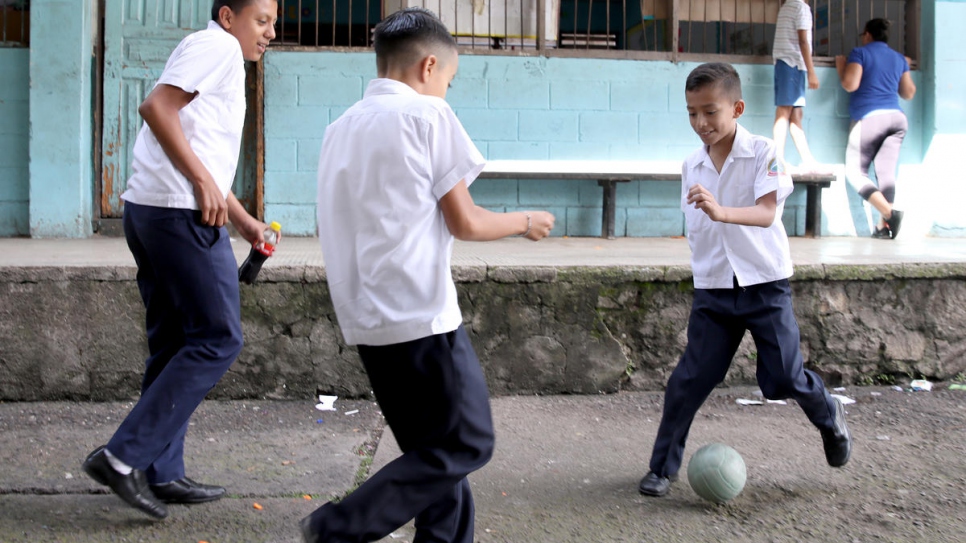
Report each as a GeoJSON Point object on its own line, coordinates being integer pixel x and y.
{"type": "Point", "coordinates": [470, 222]}
{"type": "Point", "coordinates": [160, 111]}
{"type": "Point", "coordinates": [761, 214]}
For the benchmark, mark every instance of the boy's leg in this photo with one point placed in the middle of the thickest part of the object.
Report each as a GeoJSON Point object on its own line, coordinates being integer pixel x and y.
{"type": "Point", "coordinates": [434, 397]}
{"type": "Point", "coordinates": [789, 84]}
{"type": "Point", "coordinates": [450, 518]}
{"type": "Point", "coordinates": [781, 372]}
{"type": "Point", "coordinates": [165, 338]}
{"type": "Point", "coordinates": [713, 338]}
{"type": "Point", "coordinates": [192, 272]}
{"type": "Point", "coordinates": [797, 133]}
{"type": "Point", "coordinates": [783, 115]}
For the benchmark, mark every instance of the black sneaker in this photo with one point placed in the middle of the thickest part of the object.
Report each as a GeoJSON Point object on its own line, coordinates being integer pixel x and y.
{"type": "Point", "coordinates": [882, 233]}
{"type": "Point", "coordinates": [894, 222]}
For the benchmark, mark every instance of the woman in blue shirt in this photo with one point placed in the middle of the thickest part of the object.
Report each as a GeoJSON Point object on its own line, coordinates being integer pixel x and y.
{"type": "Point", "coordinates": [876, 76]}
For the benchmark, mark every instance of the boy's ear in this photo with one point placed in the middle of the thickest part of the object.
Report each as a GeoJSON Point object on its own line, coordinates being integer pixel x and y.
{"type": "Point", "coordinates": [427, 66]}
{"type": "Point", "coordinates": [224, 17]}
{"type": "Point", "coordinates": [739, 108]}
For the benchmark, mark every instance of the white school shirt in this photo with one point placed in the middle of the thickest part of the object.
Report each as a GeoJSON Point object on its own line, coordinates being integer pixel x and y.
{"type": "Point", "coordinates": [383, 167]}
{"type": "Point", "coordinates": [793, 16]}
{"type": "Point", "coordinates": [719, 251]}
{"type": "Point", "coordinates": [209, 63]}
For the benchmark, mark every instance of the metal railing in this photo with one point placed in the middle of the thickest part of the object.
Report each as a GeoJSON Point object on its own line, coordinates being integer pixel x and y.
{"type": "Point", "coordinates": [14, 23]}
{"type": "Point", "coordinates": [672, 29]}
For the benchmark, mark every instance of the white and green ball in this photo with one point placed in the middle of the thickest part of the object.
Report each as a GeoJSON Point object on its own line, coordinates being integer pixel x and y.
{"type": "Point", "coordinates": [716, 472]}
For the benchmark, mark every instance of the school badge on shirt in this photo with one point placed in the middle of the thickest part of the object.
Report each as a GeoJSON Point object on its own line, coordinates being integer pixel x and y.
{"type": "Point", "coordinates": [776, 167]}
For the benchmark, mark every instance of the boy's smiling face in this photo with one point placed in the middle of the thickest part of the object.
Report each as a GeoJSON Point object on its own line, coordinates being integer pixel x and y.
{"type": "Point", "coordinates": [713, 114]}
{"type": "Point", "coordinates": [253, 26]}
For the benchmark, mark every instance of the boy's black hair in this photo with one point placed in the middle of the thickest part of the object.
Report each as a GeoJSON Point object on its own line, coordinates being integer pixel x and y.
{"type": "Point", "coordinates": [234, 5]}
{"type": "Point", "coordinates": [878, 29]}
{"type": "Point", "coordinates": [718, 74]}
{"type": "Point", "coordinates": [405, 35]}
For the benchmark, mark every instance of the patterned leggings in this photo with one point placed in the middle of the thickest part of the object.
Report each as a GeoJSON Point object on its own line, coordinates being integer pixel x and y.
{"type": "Point", "coordinates": [876, 138]}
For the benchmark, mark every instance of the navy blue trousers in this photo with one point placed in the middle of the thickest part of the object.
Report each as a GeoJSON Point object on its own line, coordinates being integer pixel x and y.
{"type": "Point", "coordinates": [434, 397]}
{"type": "Point", "coordinates": [188, 279]}
{"type": "Point", "coordinates": [719, 318]}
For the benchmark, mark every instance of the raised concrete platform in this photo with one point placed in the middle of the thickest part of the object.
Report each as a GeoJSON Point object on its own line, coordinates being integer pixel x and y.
{"type": "Point", "coordinates": [577, 315]}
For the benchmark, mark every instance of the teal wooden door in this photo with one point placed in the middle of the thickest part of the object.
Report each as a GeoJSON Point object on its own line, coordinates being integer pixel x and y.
{"type": "Point", "coordinates": [139, 35]}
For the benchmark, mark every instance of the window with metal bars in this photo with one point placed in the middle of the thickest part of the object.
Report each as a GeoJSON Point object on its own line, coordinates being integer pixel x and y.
{"type": "Point", "coordinates": [661, 29]}
{"type": "Point", "coordinates": [14, 23]}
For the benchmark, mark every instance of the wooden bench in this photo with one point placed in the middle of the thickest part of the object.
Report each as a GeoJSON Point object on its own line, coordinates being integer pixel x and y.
{"type": "Point", "coordinates": [610, 172]}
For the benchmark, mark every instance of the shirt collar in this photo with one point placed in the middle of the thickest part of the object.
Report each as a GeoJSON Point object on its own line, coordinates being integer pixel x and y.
{"type": "Point", "coordinates": [383, 85]}
{"type": "Point", "coordinates": [214, 24]}
{"type": "Point", "coordinates": [742, 147]}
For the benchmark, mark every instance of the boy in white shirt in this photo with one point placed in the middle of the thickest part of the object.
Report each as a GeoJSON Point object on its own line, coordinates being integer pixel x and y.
{"type": "Point", "coordinates": [392, 194]}
{"type": "Point", "coordinates": [792, 56]}
{"type": "Point", "coordinates": [733, 192]}
{"type": "Point", "coordinates": [176, 204]}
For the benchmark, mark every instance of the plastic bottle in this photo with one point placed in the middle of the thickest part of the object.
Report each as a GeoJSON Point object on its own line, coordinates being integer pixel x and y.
{"type": "Point", "coordinates": [259, 253]}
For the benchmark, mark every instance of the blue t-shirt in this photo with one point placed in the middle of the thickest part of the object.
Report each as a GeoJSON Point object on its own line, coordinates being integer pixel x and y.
{"type": "Point", "coordinates": [879, 88]}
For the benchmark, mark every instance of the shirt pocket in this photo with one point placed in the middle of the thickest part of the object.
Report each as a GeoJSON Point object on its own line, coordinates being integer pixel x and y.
{"type": "Point", "coordinates": [233, 112]}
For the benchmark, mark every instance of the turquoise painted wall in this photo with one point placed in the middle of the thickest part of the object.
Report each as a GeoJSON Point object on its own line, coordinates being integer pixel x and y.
{"type": "Point", "coordinates": [942, 176]}
{"type": "Point", "coordinates": [539, 108]}
{"type": "Point", "coordinates": [61, 119]}
{"type": "Point", "coordinates": [14, 140]}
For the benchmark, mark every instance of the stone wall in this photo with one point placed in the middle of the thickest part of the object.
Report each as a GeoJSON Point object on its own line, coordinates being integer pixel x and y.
{"type": "Point", "coordinates": [77, 333]}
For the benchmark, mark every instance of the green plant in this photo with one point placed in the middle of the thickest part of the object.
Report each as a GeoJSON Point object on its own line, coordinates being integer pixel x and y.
{"type": "Point", "coordinates": [885, 379]}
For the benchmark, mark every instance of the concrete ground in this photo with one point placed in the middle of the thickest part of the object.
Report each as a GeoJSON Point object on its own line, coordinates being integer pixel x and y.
{"type": "Point", "coordinates": [566, 467]}
{"type": "Point", "coordinates": [566, 470]}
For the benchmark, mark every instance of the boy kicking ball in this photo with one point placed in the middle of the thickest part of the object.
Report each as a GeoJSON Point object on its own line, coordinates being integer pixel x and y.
{"type": "Point", "coordinates": [733, 192]}
{"type": "Point", "coordinates": [392, 195]}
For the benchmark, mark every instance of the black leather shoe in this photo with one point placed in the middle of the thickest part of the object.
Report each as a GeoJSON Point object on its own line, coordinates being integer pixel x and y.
{"type": "Point", "coordinates": [838, 440]}
{"type": "Point", "coordinates": [894, 222]}
{"type": "Point", "coordinates": [654, 485]}
{"type": "Point", "coordinates": [132, 488]}
{"type": "Point", "coordinates": [185, 490]}
{"type": "Point", "coordinates": [308, 533]}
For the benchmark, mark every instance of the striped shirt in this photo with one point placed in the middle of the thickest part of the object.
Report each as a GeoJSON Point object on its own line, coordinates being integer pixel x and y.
{"type": "Point", "coordinates": [793, 16]}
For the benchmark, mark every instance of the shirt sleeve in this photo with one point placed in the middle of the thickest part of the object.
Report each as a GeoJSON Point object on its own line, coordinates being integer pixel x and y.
{"type": "Point", "coordinates": [856, 56]}
{"type": "Point", "coordinates": [804, 19]}
{"type": "Point", "coordinates": [453, 154]}
{"type": "Point", "coordinates": [771, 175]}
{"type": "Point", "coordinates": [202, 64]}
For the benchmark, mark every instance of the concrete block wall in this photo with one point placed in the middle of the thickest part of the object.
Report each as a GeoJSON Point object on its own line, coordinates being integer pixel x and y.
{"type": "Point", "coordinates": [551, 108]}
{"type": "Point", "coordinates": [942, 186]}
{"type": "Point", "coordinates": [14, 142]}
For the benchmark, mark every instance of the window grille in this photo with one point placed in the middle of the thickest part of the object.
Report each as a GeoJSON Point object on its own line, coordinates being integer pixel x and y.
{"type": "Point", "coordinates": [14, 23]}
{"type": "Point", "coordinates": [667, 29]}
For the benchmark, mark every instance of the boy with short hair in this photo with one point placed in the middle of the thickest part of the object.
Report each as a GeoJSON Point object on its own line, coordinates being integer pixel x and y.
{"type": "Point", "coordinates": [176, 204]}
{"type": "Point", "coordinates": [733, 192]}
{"type": "Point", "coordinates": [392, 194]}
{"type": "Point", "coordinates": [792, 55]}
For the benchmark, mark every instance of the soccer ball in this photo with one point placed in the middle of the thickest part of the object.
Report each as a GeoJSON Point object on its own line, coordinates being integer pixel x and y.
{"type": "Point", "coordinates": [716, 472]}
